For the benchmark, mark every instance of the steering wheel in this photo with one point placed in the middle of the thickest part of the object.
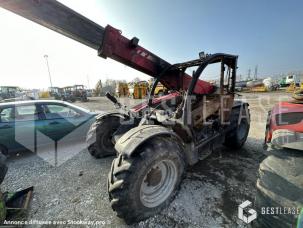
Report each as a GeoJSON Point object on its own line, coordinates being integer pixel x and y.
{"type": "Point", "coordinates": [70, 114]}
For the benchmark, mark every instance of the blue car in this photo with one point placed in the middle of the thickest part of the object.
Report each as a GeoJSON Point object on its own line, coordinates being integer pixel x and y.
{"type": "Point", "coordinates": [32, 124]}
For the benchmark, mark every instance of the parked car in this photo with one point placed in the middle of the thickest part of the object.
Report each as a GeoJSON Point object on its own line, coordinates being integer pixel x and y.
{"type": "Point", "coordinates": [280, 182]}
{"type": "Point", "coordinates": [31, 124]}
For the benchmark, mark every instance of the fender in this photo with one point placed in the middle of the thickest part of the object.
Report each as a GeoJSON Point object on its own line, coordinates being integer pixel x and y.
{"type": "Point", "coordinates": [113, 113]}
{"type": "Point", "coordinates": [130, 141]}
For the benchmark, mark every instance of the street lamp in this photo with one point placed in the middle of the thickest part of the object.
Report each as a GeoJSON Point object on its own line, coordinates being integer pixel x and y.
{"type": "Point", "coordinates": [50, 78]}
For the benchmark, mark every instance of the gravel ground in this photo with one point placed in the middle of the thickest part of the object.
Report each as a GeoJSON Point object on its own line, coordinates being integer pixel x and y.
{"type": "Point", "coordinates": [209, 195]}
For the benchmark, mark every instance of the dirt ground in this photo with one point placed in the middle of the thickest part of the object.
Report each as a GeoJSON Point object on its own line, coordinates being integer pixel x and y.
{"type": "Point", "coordinates": [208, 197]}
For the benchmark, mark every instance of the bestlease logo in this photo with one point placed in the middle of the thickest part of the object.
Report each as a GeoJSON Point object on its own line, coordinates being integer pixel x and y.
{"type": "Point", "coordinates": [245, 214]}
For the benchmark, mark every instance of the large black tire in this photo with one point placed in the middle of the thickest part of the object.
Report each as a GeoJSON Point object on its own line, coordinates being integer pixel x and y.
{"type": "Point", "coordinates": [280, 184]}
{"type": "Point", "coordinates": [3, 167]}
{"type": "Point", "coordinates": [99, 137]}
{"type": "Point", "coordinates": [236, 138]}
{"type": "Point", "coordinates": [130, 178]}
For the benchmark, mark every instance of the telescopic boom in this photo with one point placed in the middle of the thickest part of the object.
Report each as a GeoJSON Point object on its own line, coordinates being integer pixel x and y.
{"type": "Point", "coordinates": [108, 41]}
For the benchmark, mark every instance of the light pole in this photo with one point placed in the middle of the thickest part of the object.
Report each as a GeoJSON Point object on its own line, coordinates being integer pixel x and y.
{"type": "Point", "coordinates": [50, 78]}
{"type": "Point", "coordinates": [87, 77]}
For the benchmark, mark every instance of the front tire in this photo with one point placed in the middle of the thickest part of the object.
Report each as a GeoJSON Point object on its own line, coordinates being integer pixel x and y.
{"type": "Point", "coordinates": [280, 185]}
{"type": "Point", "coordinates": [99, 137]}
{"type": "Point", "coordinates": [142, 185]}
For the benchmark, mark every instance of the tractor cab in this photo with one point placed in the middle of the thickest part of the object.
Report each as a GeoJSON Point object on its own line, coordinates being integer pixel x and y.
{"type": "Point", "coordinates": [79, 92]}
{"type": "Point", "coordinates": [67, 94]}
{"type": "Point", "coordinates": [8, 92]}
{"type": "Point", "coordinates": [56, 92]}
{"type": "Point", "coordinates": [196, 108]}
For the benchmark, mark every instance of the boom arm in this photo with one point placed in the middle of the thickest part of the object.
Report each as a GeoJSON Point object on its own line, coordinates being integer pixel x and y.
{"type": "Point", "coordinates": [108, 41]}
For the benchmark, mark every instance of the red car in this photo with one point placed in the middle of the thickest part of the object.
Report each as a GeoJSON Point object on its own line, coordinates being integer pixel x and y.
{"type": "Point", "coordinates": [279, 198]}
{"type": "Point", "coordinates": [285, 125]}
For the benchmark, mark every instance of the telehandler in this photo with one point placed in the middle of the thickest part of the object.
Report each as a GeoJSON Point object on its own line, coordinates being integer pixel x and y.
{"type": "Point", "coordinates": [154, 141]}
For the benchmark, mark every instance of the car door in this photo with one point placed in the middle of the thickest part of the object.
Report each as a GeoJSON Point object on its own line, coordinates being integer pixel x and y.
{"type": "Point", "coordinates": [7, 135]}
{"type": "Point", "coordinates": [60, 120]}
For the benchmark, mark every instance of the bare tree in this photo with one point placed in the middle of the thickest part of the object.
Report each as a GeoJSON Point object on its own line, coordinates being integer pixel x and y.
{"type": "Point", "coordinates": [109, 86]}
{"type": "Point", "coordinates": [98, 88]}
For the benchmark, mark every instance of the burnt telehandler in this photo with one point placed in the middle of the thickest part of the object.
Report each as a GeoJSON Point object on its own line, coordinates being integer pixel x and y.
{"type": "Point", "coordinates": [154, 141]}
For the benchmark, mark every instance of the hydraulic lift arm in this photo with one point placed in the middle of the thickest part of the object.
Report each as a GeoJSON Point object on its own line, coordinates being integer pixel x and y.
{"type": "Point", "coordinates": [108, 41]}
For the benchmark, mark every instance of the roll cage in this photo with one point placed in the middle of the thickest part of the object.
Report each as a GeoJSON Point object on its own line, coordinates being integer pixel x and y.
{"type": "Point", "coordinates": [179, 69]}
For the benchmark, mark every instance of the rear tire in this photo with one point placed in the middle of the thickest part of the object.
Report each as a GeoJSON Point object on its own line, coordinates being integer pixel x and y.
{"type": "Point", "coordinates": [142, 185]}
{"type": "Point", "coordinates": [280, 185]}
{"type": "Point", "coordinates": [99, 137]}
{"type": "Point", "coordinates": [237, 137]}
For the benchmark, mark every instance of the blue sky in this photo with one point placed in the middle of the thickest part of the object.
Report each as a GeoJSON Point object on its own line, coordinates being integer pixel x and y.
{"type": "Point", "coordinates": [267, 33]}
{"type": "Point", "coordinates": [264, 33]}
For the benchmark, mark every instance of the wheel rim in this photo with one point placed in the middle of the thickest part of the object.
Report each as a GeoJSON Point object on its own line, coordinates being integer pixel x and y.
{"type": "Point", "coordinates": [242, 130]}
{"type": "Point", "coordinates": [158, 183]}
